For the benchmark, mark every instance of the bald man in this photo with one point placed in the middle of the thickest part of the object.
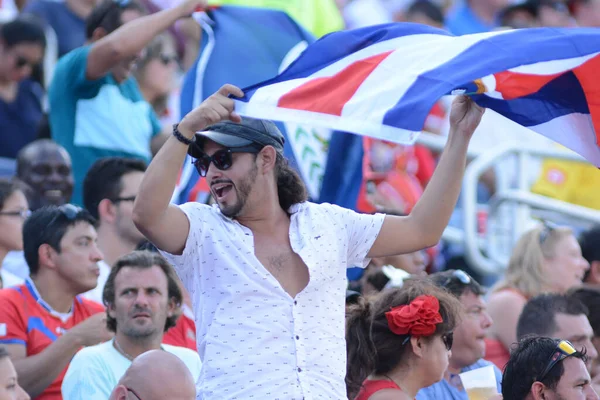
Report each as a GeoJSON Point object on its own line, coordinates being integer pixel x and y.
{"type": "Point", "coordinates": [45, 167]}
{"type": "Point", "coordinates": [156, 375]}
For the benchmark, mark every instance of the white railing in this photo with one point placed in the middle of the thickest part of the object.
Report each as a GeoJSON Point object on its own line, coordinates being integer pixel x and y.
{"type": "Point", "coordinates": [511, 209]}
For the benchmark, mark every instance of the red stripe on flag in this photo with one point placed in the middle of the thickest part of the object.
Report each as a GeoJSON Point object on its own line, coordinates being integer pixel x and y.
{"type": "Point", "coordinates": [328, 95]}
{"type": "Point", "coordinates": [587, 74]}
{"type": "Point", "coordinates": [513, 85]}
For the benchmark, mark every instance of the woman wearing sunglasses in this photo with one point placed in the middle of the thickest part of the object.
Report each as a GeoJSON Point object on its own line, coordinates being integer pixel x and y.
{"type": "Point", "coordinates": [22, 43]}
{"type": "Point", "coordinates": [13, 211]}
{"type": "Point", "coordinates": [399, 343]}
{"type": "Point", "coordinates": [546, 259]}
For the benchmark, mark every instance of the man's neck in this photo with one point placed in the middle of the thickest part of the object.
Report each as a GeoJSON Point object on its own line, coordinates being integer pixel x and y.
{"type": "Point", "coordinates": [112, 245]}
{"type": "Point", "coordinates": [80, 8]}
{"type": "Point", "coordinates": [266, 220]}
{"type": "Point", "coordinates": [53, 290]}
{"type": "Point", "coordinates": [483, 10]}
{"type": "Point", "coordinates": [133, 347]}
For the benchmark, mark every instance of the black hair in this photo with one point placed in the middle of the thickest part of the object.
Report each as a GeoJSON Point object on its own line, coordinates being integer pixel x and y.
{"type": "Point", "coordinates": [428, 9]}
{"type": "Point", "coordinates": [104, 180]}
{"type": "Point", "coordinates": [527, 362]}
{"type": "Point", "coordinates": [589, 241]}
{"type": "Point", "coordinates": [48, 225]}
{"type": "Point", "coordinates": [107, 15]}
{"type": "Point", "coordinates": [539, 314]}
{"type": "Point", "coordinates": [449, 281]}
{"type": "Point", "coordinates": [23, 29]}
{"type": "Point", "coordinates": [589, 295]}
{"type": "Point", "coordinates": [142, 260]}
{"type": "Point", "coordinates": [290, 187]}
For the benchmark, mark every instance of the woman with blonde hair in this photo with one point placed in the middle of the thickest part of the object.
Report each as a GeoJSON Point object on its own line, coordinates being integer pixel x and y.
{"type": "Point", "coordinates": [546, 259]}
{"type": "Point", "coordinates": [399, 342]}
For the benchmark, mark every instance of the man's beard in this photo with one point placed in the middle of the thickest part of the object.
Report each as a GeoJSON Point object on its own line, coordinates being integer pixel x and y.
{"type": "Point", "coordinates": [242, 191]}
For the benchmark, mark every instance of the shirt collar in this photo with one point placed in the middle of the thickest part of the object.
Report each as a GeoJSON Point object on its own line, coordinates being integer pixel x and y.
{"type": "Point", "coordinates": [38, 298]}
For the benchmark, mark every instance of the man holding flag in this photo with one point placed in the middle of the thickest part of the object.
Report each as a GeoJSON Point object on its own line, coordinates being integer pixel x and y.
{"type": "Point", "coordinates": [265, 268]}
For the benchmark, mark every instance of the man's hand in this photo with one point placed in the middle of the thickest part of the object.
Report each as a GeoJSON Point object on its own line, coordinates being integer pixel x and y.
{"type": "Point", "coordinates": [188, 7]}
{"type": "Point", "coordinates": [465, 116]}
{"type": "Point", "coordinates": [92, 331]}
{"type": "Point", "coordinates": [216, 108]}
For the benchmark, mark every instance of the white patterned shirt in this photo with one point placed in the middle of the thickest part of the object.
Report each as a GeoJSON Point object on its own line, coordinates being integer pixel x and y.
{"type": "Point", "coordinates": [254, 339]}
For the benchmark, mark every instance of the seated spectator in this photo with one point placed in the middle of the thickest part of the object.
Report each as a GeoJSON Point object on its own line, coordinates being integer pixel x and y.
{"type": "Point", "coordinates": [590, 249]}
{"type": "Point", "coordinates": [399, 343]}
{"type": "Point", "coordinates": [468, 347]}
{"type": "Point", "coordinates": [22, 43]}
{"type": "Point", "coordinates": [13, 211]}
{"type": "Point", "coordinates": [44, 321]}
{"type": "Point", "coordinates": [532, 13]}
{"type": "Point", "coordinates": [156, 375]}
{"type": "Point", "coordinates": [589, 295]}
{"type": "Point", "coordinates": [66, 18]}
{"type": "Point", "coordinates": [45, 168]}
{"type": "Point", "coordinates": [585, 12]}
{"type": "Point", "coordinates": [543, 368]}
{"type": "Point", "coordinates": [559, 316]}
{"type": "Point", "coordinates": [143, 301]}
{"type": "Point", "coordinates": [96, 107]}
{"type": "Point", "coordinates": [546, 259]}
{"type": "Point", "coordinates": [157, 74]}
{"type": "Point", "coordinates": [9, 385]}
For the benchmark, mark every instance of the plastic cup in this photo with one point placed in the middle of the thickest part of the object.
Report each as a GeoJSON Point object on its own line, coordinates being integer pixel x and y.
{"type": "Point", "coordinates": [480, 383]}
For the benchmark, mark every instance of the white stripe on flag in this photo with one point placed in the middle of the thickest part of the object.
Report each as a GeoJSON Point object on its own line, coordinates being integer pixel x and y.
{"type": "Point", "coordinates": [554, 66]}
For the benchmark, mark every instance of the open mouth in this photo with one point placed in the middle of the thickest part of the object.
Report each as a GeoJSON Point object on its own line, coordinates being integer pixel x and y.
{"type": "Point", "coordinates": [221, 190]}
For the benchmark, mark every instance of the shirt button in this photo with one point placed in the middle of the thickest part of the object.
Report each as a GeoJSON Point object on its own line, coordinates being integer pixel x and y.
{"type": "Point", "coordinates": [295, 302]}
{"type": "Point", "coordinates": [299, 369]}
{"type": "Point", "coordinates": [297, 337]}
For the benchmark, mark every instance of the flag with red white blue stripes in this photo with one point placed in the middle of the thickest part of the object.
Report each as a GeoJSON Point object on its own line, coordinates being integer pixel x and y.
{"type": "Point", "coordinates": [382, 81]}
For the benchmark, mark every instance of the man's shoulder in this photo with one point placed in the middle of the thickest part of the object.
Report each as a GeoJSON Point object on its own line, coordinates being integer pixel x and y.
{"type": "Point", "coordinates": [96, 352]}
{"type": "Point", "coordinates": [14, 294]}
{"type": "Point", "coordinates": [182, 352]}
{"type": "Point", "coordinates": [90, 306]}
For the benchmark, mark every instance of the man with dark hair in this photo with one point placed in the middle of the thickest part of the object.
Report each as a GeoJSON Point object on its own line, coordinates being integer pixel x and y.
{"type": "Point", "coordinates": [559, 316]}
{"type": "Point", "coordinates": [541, 368]}
{"type": "Point", "coordinates": [589, 295]}
{"type": "Point", "coordinates": [96, 107]}
{"type": "Point", "coordinates": [265, 264]}
{"type": "Point", "coordinates": [590, 250]}
{"type": "Point", "coordinates": [109, 189]}
{"type": "Point", "coordinates": [44, 322]}
{"type": "Point", "coordinates": [143, 301]}
{"type": "Point", "coordinates": [468, 348]}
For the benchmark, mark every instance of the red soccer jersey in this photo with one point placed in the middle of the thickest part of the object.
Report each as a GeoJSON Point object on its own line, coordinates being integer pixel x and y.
{"type": "Point", "coordinates": [184, 333]}
{"type": "Point", "coordinates": [25, 318]}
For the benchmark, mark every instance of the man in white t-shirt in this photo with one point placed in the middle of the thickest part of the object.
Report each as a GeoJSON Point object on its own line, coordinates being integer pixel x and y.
{"type": "Point", "coordinates": [143, 300]}
{"type": "Point", "coordinates": [266, 269]}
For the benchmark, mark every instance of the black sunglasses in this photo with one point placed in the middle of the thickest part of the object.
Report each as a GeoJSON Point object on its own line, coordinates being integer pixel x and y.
{"type": "Point", "coordinates": [564, 349]}
{"type": "Point", "coordinates": [222, 159]}
{"type": "Point", "coordinates": [134, 393]}
{"type": "Point", "coordinates": [21, 62]}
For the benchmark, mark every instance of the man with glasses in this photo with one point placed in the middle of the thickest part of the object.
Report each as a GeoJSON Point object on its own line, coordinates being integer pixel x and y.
{"type": "Point", "coordinates": [155, 375]}
{"type": "Point", "coordinates": [96, 107]}
{"type": "Point", "coordinates": [266, 269]}
{"type": "Point", "coordinates": [468, 348]}
{"type": "Point", "coordinates": [541, 368]}
{"type": "Point", "coordinates": [44, 322]}
{"type": "Point", "coordinates": [559, 316]}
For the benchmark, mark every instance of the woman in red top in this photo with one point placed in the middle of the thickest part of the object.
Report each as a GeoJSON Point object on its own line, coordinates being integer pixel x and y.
{"type": "Point", "coordinates": [400, 342]}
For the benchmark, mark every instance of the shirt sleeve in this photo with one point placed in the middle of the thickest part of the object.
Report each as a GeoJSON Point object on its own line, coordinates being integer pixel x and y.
{"type": "Point", "coordinates": [86, 379]}
{"type": "Point", "coordinates": [361, 231]}
{"type": "Point", "coordinates": [70, 73]}
{"type": "Point", "coordinates": [13, 329]}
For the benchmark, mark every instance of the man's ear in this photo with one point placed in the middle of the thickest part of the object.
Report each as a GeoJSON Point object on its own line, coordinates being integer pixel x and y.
{"type": "Point", "coordinates": [538, 391]}
{"type": "Point", "coordinates": [268, 156]}
{"type": "Point", "coordinates": [47, 256]}
{"type": "Point", "coordinates": [119, 393]}
{"type": "Point", "coordinates": [107, 211]}
{"type": "Point", "coordinates": [98, 34]}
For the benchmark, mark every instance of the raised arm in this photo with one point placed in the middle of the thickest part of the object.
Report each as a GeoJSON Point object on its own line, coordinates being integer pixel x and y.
{"type": "Point", "coordinates": [164, 224]}
{"type": "Point", "coordinates": [131, 38]}
{"type": "Point", "coordinates": [424, 226]}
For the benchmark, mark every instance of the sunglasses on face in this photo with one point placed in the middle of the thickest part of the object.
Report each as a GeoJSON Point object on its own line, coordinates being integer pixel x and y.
{"type": "Point", "coordinates": [564, 349]}
{"type": "Point", "coordinates": [134, 393]}
{"type": "Point", "coordinates": [222, 159]}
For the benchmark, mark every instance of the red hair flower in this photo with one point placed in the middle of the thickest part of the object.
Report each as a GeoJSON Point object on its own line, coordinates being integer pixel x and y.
{"type": "Point", "coordinates": [419, 318]}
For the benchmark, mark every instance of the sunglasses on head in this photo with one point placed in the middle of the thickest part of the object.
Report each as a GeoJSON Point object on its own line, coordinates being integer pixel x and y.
{"type": "Point", "coordinates": [549, 227]}
{"type": "Point", "coordinates": [447, 338]}
{"type": "Point", "coordinates": [69, 211]}
{"type": "Point", "coordinates": [564, 349]}
{"type": "Point", "coordinates": [222, 159]}
{"type": "Point", "coordinates": [457, 275]}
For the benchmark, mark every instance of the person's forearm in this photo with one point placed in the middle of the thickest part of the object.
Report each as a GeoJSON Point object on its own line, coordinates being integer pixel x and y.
{"type": "Point", "coordinates": [159, 181]}
{"type": "Point", "coordinates": [433, 210]}
{"type": "Point", "coordinates": [37, 372]}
